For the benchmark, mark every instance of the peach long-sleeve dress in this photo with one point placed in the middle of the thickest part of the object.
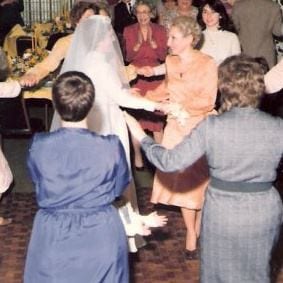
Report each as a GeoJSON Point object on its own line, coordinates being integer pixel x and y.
{"type": "Point", "coordinates": [194, 87]}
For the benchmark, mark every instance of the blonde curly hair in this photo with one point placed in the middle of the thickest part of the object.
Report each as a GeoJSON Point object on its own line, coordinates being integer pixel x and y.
{"type": "Point", "coordinates": [188, 26]}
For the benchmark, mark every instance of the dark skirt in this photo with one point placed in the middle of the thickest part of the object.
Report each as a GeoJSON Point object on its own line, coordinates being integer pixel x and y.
{"type": "Point", "coordinates": [238, 233]}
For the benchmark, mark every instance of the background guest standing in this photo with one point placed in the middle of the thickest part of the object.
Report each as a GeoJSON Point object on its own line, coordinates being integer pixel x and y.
{"type": "Point", "coordinates": [219, 40]}
{"type": "Point", "coordinates": [256, 21]}
{"type": "Point", "coordinates": [10, 15]}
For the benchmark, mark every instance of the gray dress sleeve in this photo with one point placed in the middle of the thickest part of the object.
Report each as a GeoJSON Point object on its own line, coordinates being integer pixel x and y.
{"type": "Point", "coordinates": [189, 150]}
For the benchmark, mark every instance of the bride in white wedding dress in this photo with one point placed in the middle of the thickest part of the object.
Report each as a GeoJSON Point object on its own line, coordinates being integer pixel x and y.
{"type": "Point", "coordinates": [95, 51]}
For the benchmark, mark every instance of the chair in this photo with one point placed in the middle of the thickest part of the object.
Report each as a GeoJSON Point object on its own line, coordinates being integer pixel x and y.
{"type": "Point", "coordinates": [15, 119]}
{"type": "Point", "coordinates": [23, 43]}
{"type": "Point", "coordinates": [53, 39]}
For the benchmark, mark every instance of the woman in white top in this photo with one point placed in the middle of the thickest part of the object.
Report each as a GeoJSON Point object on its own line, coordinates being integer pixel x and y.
{"type": "Point", "coordinates": [219, 39]}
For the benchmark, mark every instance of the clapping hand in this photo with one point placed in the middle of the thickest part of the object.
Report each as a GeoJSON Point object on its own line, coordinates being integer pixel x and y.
{"type": "Point", "coordinates": [151, 41]}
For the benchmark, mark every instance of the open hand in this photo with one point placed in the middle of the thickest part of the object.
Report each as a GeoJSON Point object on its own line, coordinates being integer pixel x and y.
{"type": "Point", "coordinates": [155, 220]}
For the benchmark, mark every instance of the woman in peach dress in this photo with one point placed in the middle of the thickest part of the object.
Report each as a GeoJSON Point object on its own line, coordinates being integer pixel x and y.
{"type": "Point", "coordinates": [192, 84]}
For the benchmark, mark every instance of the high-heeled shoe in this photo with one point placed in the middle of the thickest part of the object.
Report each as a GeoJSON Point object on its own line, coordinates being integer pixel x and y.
{"type": "Point", "coordinates": [191, 255]}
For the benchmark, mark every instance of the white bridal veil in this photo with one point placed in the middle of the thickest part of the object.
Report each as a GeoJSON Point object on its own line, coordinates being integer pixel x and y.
{"type": "Point", "coordinates": [95, 42]}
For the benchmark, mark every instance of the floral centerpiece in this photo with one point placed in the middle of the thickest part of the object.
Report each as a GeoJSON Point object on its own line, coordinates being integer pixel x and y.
{"type": "Point", "coordinates": [19, 65]}
{"type": "Point", "coordinates": [59, 24]}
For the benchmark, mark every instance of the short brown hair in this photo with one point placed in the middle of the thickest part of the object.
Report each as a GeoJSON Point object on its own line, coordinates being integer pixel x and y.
{"type": "Point", "coordinates": [240, 82]}
{"type": "Point", "coordinates": [73, 95]}
{"type": "Point", "coordinates": [79, 9]}
{"type": "Point", "coordinates": [188, 26]}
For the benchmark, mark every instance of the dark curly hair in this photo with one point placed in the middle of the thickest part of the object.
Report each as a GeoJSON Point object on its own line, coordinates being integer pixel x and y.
{"type": "Point", "coordinates": [225, 23]}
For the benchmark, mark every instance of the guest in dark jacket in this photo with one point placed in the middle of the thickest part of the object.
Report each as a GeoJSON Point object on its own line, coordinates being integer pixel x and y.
{"type": "Point", "coordinates": [10, 15]}
{"type": "Point", "coordinates": [123, 17]}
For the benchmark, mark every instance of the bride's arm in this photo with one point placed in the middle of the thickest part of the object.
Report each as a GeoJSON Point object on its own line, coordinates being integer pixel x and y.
{"type": "Point", "coordinates": [118, 93]}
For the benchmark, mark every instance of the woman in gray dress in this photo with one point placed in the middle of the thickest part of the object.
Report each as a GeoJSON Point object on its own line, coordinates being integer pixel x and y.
{"type": "Point", "coordinates": [242, 212]}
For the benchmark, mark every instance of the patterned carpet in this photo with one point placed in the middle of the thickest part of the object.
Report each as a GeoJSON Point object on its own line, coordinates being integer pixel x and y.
{"type": "Point", "coordinates": [161, 261]}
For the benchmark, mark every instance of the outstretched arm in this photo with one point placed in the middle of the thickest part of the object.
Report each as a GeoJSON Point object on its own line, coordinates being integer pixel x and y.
{"type": "Point", "coordinates": [180, 157]}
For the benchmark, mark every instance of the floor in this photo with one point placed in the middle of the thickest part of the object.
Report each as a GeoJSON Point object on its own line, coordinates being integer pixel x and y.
{"type": "Point", "coordinates": [161, 261]}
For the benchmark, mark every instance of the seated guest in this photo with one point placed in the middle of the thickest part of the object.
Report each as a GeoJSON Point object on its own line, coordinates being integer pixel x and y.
{"type": "Point", "coordinates": [218, 42]}
{"type": "Point", "coordinates": [77, 234]}
{"type": "Point", "coordinates": [242, 210]}
{"type": "Point", "coordinates": [80, 11]}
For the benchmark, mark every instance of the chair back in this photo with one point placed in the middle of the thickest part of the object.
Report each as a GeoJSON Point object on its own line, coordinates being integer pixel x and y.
{"type": "Point", "coordinates": [23, 43]}
{"type": "Point", "coordinates": [14, 118]}
{"type": "Point", "coordinates": [53, 39]}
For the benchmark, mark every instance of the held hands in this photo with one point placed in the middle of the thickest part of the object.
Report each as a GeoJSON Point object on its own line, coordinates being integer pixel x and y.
{"type": "Point", "coordinates": [134, 127]}
{"type": "Point", "coordinates": [28, 80]}
{"type": "Point", "coordinates": [178, 112]}
{"type": "Point", "coordinates": [135, 91]}
{"type": "Point", "coordinates": [174, 110]}
{"type": "Point", "coordinates": [146, 71]}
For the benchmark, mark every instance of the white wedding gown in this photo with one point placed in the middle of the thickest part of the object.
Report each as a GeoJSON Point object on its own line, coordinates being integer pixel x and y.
{"type": "Point", "coordinates": [106, 117]}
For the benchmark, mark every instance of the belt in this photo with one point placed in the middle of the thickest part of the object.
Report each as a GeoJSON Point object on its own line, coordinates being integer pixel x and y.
{"type": "Point", "coordinates": [241, 187]}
